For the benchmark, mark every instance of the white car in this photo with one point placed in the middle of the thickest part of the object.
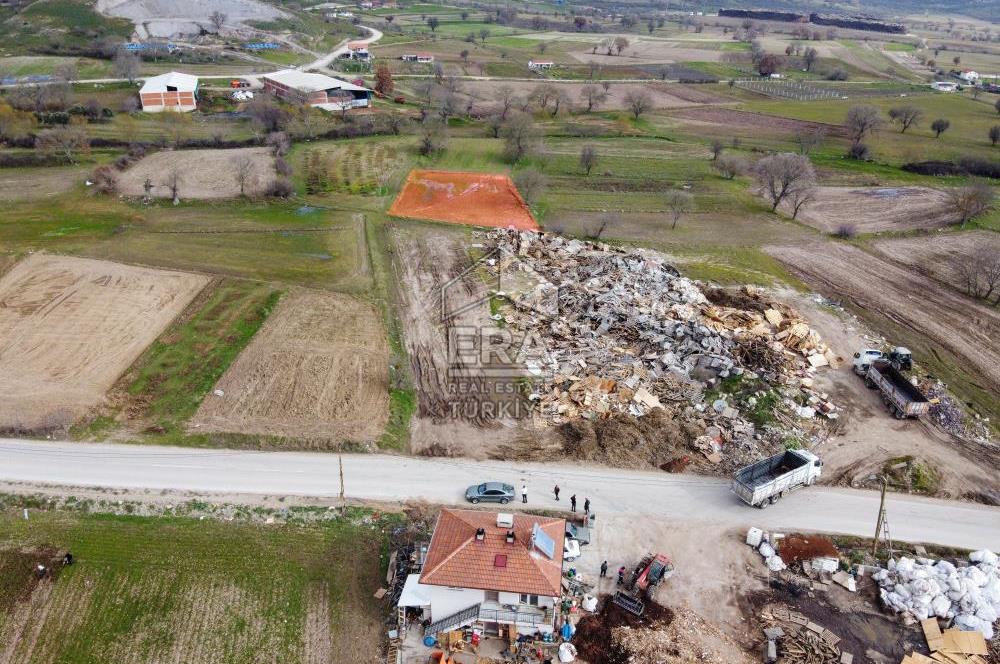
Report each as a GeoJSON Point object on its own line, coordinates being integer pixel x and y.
{"type": "Point", "coordinates": [571, 550]}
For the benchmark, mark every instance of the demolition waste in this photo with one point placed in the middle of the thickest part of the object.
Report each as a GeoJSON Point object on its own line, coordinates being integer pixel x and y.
{"type": "Point", "coordinates": [634, 350]}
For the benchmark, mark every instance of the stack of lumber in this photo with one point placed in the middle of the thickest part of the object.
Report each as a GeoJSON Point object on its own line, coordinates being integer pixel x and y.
{"type": "Point", "coordinates": [953, 646]}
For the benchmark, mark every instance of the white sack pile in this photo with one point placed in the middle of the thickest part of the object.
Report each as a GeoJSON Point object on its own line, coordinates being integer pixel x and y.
{"type": "Point", "coordinates": [924, 588]}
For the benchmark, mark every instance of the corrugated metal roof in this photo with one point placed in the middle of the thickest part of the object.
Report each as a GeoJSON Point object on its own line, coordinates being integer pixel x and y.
{"type": "Point", "coordinates": [174, 79]}
{"type": "Point", "coordinates": [307, 82]}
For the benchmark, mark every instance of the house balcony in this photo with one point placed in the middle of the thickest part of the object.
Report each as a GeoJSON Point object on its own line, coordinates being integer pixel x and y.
{"type": "Point", "coordinates": [516, 614]}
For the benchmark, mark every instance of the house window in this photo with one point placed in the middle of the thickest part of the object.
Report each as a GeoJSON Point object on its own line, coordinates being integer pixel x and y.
{"type": "Point", "coordinates": [493, 596]}
{"type": "Point", "coordinates": [529, 599]}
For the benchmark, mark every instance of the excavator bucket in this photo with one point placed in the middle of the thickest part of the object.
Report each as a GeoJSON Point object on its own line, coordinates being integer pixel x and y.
{"type": "Point", "coordinates": [631, 604]}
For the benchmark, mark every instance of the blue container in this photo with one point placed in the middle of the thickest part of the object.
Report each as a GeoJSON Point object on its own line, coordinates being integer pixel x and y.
{"type": "Point", "coordinates": [429, 641]}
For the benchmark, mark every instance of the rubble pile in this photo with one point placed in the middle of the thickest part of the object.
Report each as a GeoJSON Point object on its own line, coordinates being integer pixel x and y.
{"type": "Point", "coordinates": [950, 416]}
{"type": "Point", "coordinates": [688, 638]}
{"type": "Point", "coordinates": [799, 640]}
{"type": "Point", "coordinates": [622, 333]}
{"type": "Point", "coordinates": [967, 594]}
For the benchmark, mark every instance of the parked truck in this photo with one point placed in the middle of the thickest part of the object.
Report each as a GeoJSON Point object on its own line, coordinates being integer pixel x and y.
{"type": "Point", "coordinates": [900, 395]}
{"type": "Point", "coordinates": [764, 483]}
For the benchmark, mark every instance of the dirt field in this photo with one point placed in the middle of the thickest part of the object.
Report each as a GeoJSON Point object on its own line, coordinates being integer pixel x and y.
{"type": "Point", "coordinates": [204, 174]}
{"type": "Point", "coordinates": [69, 327]}
{"type": "Point", "coordinates": [746, 119]}
{"type": "Point", "coordinates": [479, 199]}
{"type": "Point", "coordinates": [651, 51]}
{"type": "Point", "coordinates": [934, 312]}
{"type": "Point", "coordinates": [664, 95]}
{"type": "Point", "coordinates": [877, 209]}
{"type": "Point", "coordinates": [39, 183]}
{"type": "Point", "coordinates": [935, 255]}
{"type": "Point", "coordinates": [167, 18]}
{"type": "Point", "coordinates": [317, 370]}
{"type": "Point", "coordinates": [456, 406]}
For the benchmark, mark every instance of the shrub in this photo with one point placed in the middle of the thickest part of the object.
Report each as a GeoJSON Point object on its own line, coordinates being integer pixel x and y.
{"type": "Point", "coordinates": [399, 100]}
{"type": "Point", "coordinates": [282, 167]}
{"type": "Point", "coordinates": [859, 151]}
{"type": "Point", "coordinates": [837, 75]}
{"type": "Point", "coordinates": [105, 180]}
{"type": "Point", "coordinates": [846, 231]}
{"type": "Point", "coordinates": [280, 188]}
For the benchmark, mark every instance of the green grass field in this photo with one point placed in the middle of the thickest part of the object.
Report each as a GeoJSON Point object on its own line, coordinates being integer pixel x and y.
{"type": "Point", "coordinates": [180, 589]}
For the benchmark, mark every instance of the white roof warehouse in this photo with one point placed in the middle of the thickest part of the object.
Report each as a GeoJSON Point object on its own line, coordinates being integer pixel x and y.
{"type": "Point", "coordinates": [318, 90]}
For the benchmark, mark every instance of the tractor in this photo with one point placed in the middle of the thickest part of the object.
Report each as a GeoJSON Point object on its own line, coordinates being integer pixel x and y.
{"type": "Point", "coordinates": [651, 571]}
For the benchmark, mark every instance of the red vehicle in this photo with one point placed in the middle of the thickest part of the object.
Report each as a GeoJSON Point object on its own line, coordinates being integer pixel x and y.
{"type": "Point", "coordinates": [239, 83]}
{"type": "Point", "coordinates": [650, 572]}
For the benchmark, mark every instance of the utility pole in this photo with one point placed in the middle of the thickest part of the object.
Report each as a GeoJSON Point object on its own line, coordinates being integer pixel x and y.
{"type": "Point", "coordinates": [881, 516]}
{"type": "Point", "coordinates": [340, 462]}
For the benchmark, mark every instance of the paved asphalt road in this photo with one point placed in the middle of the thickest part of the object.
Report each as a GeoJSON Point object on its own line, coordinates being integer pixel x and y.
{"type": "Point", "coordinates": [396, 478]}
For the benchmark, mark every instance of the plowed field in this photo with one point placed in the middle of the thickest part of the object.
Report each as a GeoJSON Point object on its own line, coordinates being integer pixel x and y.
{"type": "Point", "coordinates": [318, 371]}
{"type": "Point", "coordinates": [478, 199]}
{"type": "Point", "coordinates": [878, 209]}
{"type": "Point", "coordinates": [69, 327]}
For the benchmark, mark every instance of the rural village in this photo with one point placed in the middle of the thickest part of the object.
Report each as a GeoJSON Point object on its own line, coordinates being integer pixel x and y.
{"type": "Point", "coordinates": [611, 332]}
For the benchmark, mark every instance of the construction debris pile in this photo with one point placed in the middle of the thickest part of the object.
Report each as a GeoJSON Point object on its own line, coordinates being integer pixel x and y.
{"type": "Point", "coordinates": [967, 594]}
{"type": "Point", "coordinates": [950, 416]}
{"type": "Point", "coordinates": [622, 333]}
{"type": "Point", "coordinates": [794, 639]}
{"type": "Point", "coordinates": [686, 638]}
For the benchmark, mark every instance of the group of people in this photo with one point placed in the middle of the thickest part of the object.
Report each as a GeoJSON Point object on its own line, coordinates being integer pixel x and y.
{"type": "Point", "coordinates": [621, 572]}
{"type": "Point", "coordinates": [556, 490]}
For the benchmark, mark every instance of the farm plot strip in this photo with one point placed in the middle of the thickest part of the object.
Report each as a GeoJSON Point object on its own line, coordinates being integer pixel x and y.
{"type": "Point", "coordinates": [317, 371]}
{"type": "Point", "coordinates": [478, 199]}
{"type": "Point", "coordinates": [69, 327]}
{"type": "Point", "coordinates": [944, 317]}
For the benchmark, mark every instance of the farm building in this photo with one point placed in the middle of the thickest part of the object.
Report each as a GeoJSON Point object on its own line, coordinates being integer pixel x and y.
{"type": "Point", "coordinates": [968, 75]}
{"type": "Point", "coordinates": [944, 86]}
{"type": "Point", "coordinates": [172, 91]}
{"type": "Point", "coordinates": [417, 57]}
{"type": "Point", "coordinates": [331, 94]}
{"type": "Point", "coordinates": [540, 64]}
{"type": "Point", "coordinates": [499, 571]}
{"type": "Point", "coordinates": [358, 50]}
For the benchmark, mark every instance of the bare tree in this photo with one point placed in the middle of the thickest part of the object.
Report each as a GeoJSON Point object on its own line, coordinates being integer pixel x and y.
{"type": "Point", "coordinates": [588, 158]}
{"type": "Point", "coordinates": [730, 165]}
{"type": "Point", "coordinates": [979, 273]}
{"type": "Point", "coordinates": [940, 126]}
{"type": "Point", "coordinates": [505, 97]}
{"type": "Point", "coordinates": [716, 147]}
{"type": "Point", "coordinates": [810, 139]}
{"type": "Point", "coordinates": [905, 116]}
{"type": "Point", "coordinates": [542, 94]}
{"type": "Point", "coordinates": [638, 102]}
{"type": "Point", "coordinates": [801, 197]}
{"type": "Point", "coordinates": [127, 65]}
{"type": "Point", "coordinates": [266, 113]}
{"type": "Point", "coordinates": [560, 100]}
{"type": "Point", "coordinates": [65, 141]}
{"type": "Point", "coordinates": [174, 181]}
{"type": "Point", "coordinates": [780, 175]}
{"type": "Point", "coordinates": [620, 44]}
{"type": "Point", "coordinates": [862, 121]}
{"type": "Point", "coordinates": [433, 22]}
{"type": "Point", "coordinates": [243, 170]}
{"type": "Point", "coordinates": [593, 96]}
{"type": "Point", "coordinates": [520, 136]}
{"type": "Point", "coordinates": [218, 20]}
{"type": "Point", "coordinates": [971, 201]}
{"type": "Point", "coordinates": [603, 222]}
{"type": "Point", "coordinates": [678, 203]}
{"type": "Point", "coordinates": [483, 34]}
{"type": "Point", "coordinates": [809, 58]}
{"type": "Point", "coordinates": [433, 138]}
{"type": "Point", "coordinates": [994, 135]}
{"type": "Point", "coordinates": [531, 184]}
{"type": "Point", "coordinates": [66, 71]}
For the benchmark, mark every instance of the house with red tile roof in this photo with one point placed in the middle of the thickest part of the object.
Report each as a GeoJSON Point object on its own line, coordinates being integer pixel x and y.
{"type": "Point", "coordinates": [500, 571]}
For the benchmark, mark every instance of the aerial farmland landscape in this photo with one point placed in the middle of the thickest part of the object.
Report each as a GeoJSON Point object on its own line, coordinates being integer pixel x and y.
{"type": "Point", "coordinates": [615, 332]}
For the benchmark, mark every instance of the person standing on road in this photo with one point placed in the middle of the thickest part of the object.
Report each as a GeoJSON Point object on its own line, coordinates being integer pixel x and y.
{"type": "Point", "coordinates": [604, 569]}
{"type": "Point", "coordinates": [621, 575]}
{"type": "Point", "coordinates": [572, 503]}
{"type": "Point", "coordinates": [586, 505]}
{"type": "Point", "coordinates": [524, 493]}
{"type": "Point", "coordinates": [555, 490]}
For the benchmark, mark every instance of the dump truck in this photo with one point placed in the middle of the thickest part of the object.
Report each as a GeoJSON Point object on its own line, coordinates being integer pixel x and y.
{"type": "Point", "coordinates": [765, 482]}
{"type": "Point", "coordinates": [900, 395]}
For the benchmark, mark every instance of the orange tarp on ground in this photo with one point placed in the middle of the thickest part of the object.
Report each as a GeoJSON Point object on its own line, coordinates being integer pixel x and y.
{"type": "Point", "coordinates": [480, 199]}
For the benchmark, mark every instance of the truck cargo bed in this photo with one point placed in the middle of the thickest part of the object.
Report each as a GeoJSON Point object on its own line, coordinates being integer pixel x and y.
{"type": "Point", "coordinates": [768, 470]}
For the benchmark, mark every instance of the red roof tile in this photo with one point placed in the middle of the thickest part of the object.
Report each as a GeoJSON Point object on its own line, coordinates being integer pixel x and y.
{"type": "Point", "coordinates": [457, 559]}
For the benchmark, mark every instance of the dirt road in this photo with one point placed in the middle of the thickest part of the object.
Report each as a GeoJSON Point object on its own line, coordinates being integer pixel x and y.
{"type": "Point", "coordinates": [643, 495]}
{"type": "Point", "coordinates": [908, 299]}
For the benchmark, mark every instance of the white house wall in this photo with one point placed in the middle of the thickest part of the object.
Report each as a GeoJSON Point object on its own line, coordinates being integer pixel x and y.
{"type": "Point", "coordinates": [446, 601]}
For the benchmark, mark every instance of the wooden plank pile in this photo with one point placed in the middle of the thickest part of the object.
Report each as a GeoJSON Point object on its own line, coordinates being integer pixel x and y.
{"type": "Point", "coordinates": [802, 641]}
{"type": "Point", "coordinates": [953, 646]}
